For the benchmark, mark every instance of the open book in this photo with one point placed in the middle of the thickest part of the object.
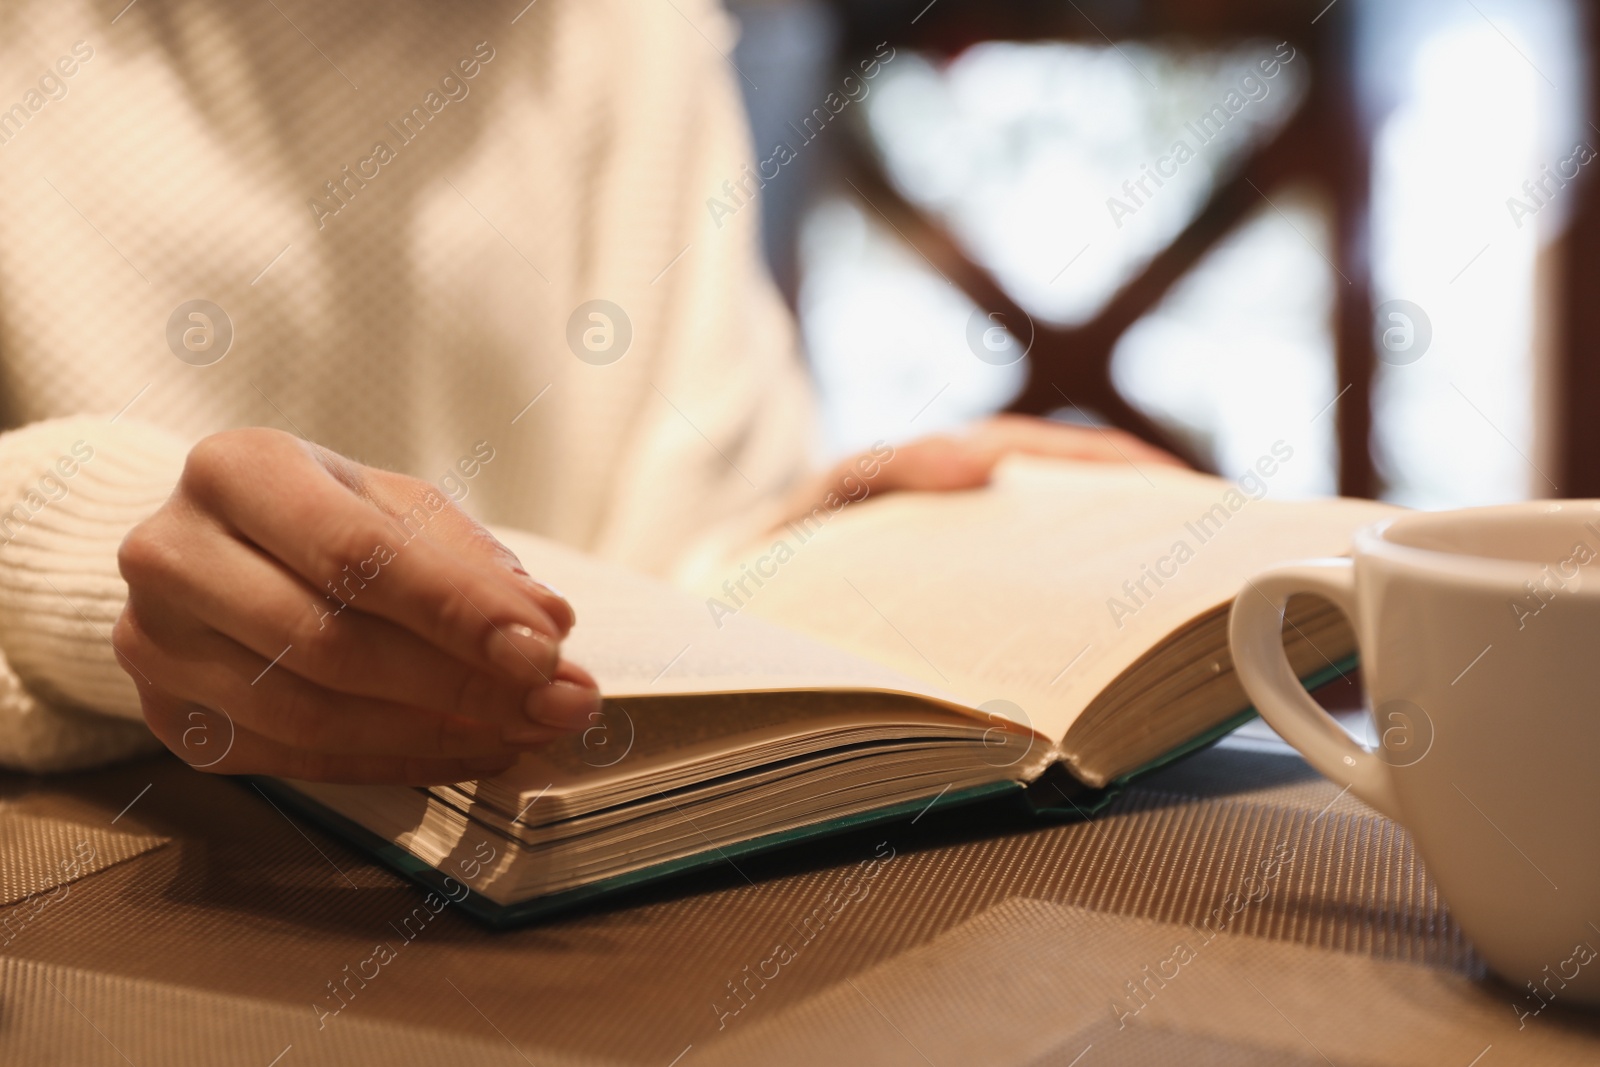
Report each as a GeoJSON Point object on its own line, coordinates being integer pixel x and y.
{"type": "Point", "coordinates": [865, 662]}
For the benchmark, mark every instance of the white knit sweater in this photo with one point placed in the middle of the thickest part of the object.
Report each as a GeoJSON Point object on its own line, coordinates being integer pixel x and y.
{"type": "Point", "coordinates": [399, 208]}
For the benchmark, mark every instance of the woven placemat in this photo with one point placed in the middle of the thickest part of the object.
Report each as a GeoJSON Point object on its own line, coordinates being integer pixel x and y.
{"type": "Point", "coordinates": [1032, 982]}
{"type": "Point", "coordinates": [39, 854]}
{"type": "Point", "coordinates": [251, 907]}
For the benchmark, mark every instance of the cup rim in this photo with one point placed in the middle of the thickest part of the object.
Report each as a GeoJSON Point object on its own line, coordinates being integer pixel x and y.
{"type": "Point", "coordinates": [1458, 567]}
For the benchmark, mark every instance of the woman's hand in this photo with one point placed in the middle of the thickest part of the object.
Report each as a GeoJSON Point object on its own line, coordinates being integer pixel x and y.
{"type": "Point", "coordinates": [967, 460]}
{"type": "Point", "coordinates": [329, 621]}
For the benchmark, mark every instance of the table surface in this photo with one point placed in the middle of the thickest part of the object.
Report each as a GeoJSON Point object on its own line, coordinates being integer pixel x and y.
{"type": "Point", "coordinates": [1234, 908]}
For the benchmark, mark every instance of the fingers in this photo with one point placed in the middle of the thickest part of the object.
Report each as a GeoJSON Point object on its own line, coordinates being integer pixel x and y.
{"type": "Point", "coordinates": [194, 663]}
{"type": "Point", "coordinates": [288, 624]}
{"type": "Point", "coordinates": [286, 502]}
{"type": "Point", "coordinates": [567, 671]}
{"type": "Point", "coordinates": [415, 505]}
{"type": "Point", "coordinates": [346, 624]}
{"type": "Point", "coordinates": [967, 460]}
{"type": "Point", "coordinates": [210, 740]}
{"type": "Point", "coordinates": [470, 540]}
{"type": "Point", "coordinates": [275, 703]}
{"type": "Point", "coordinates": [1043, 437]}
{"type": "Point", "coordinates": [939, 464]}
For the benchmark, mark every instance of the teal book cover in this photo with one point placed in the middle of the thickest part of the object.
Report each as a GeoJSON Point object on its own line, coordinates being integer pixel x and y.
{"type": "Point", "coordinates": [1054, 795]}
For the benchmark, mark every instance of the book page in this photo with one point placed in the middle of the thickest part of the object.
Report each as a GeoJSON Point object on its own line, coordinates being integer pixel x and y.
{"type": "Point", "coordinates": [1037, 591]}
{"type": "Point", "coordinates": [642, 637]}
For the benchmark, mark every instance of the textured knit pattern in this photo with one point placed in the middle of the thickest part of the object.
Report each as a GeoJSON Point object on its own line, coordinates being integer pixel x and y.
{"type": "Point", "coordinates": [518, 163]}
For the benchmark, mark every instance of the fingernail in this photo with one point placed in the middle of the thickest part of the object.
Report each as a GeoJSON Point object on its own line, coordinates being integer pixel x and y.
{"type": "Point", "coordinates": [561, 604]}
{"type": "Point", "coordinates": [537, 584]}
{"type": "Point", "coordinates": [563, 705]}
{"type": "Point", "coordinates": [522, 652]}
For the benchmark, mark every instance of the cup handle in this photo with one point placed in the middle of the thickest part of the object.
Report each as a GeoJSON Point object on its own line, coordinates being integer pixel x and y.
{"type": "Point", "coordinates": [1255, 632]}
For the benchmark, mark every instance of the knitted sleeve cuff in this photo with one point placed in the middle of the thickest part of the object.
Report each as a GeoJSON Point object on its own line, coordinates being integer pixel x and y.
{"type": "Point", "coordinates": [70, 489]}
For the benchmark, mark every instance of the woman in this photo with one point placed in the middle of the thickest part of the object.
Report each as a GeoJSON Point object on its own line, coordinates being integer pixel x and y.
{"type": "Point", "coordinates": [466, 242]}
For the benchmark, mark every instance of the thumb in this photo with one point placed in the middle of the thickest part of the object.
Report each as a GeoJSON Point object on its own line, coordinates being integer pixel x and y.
{"type": "Point", "coordinates": [420, 509]}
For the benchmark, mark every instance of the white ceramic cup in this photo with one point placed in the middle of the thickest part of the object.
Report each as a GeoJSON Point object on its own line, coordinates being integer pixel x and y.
{"type": "Point", "coordinates": [1479, 635]}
